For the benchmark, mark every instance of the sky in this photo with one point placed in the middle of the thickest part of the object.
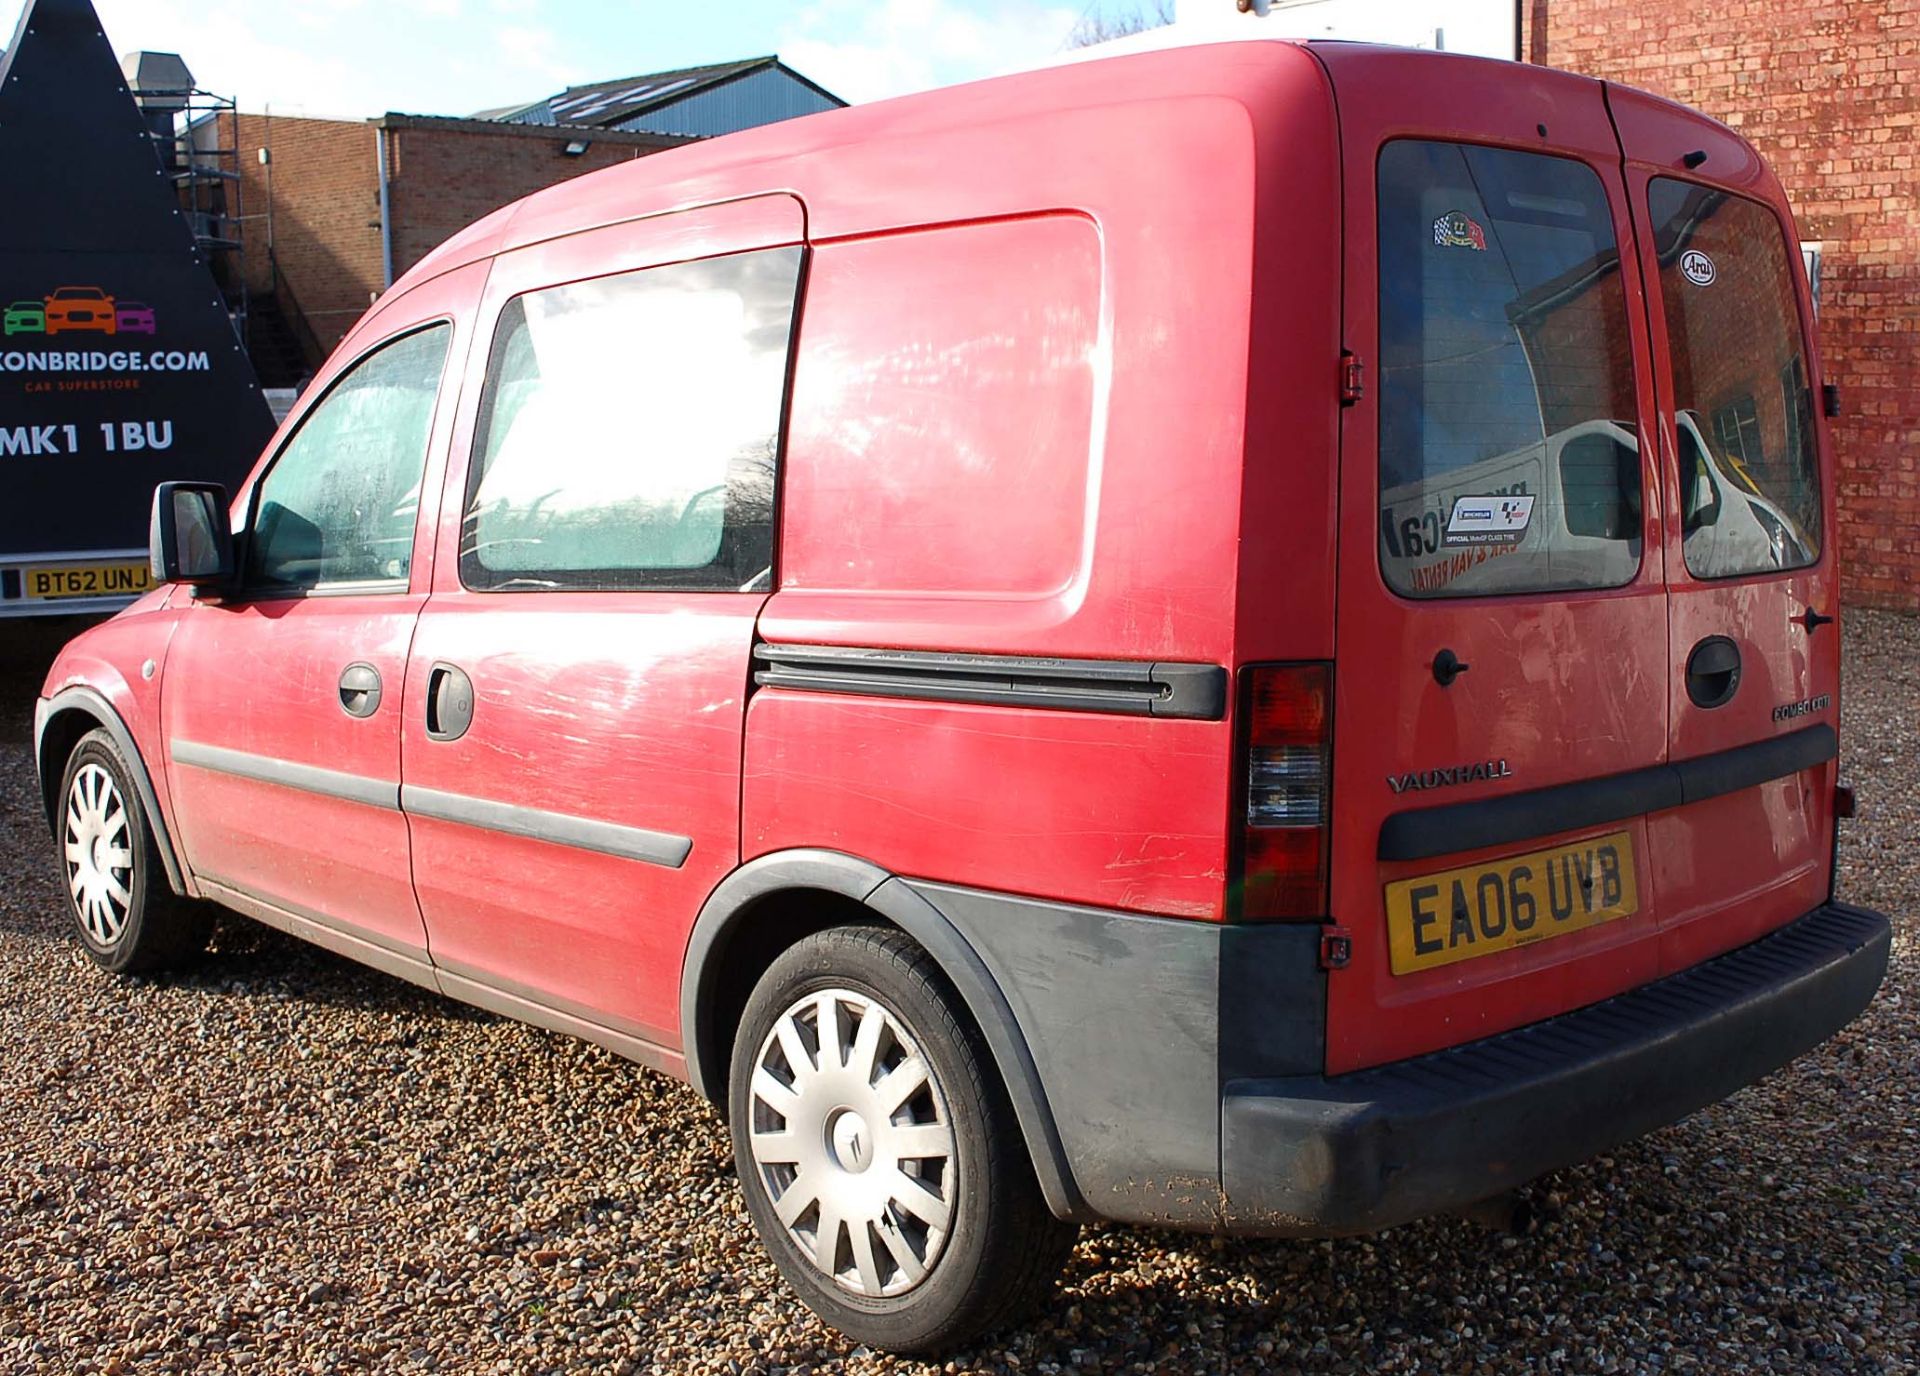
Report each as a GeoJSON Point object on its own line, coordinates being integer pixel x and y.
{"type": "Point", "coordinates": [356, 58]}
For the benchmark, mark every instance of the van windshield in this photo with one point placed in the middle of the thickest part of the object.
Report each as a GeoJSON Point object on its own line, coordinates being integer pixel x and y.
{"type": "Point", "coordinates": [1509, 454]}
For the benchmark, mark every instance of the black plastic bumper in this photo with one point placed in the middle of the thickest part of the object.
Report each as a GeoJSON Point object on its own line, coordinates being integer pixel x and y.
{"type": "Point", "coordinates": [1316, 1156]}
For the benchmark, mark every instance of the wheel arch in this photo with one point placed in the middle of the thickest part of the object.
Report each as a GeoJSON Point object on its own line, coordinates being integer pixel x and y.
{"type": "Point", "coordinates": [59, 723]}
{"type": "Point", "coordinates": [769, 903]}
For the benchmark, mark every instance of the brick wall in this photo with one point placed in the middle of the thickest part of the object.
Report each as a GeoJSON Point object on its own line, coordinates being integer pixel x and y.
{"type": "Point", "coordinates": [326, 215]}
{"type": "Point", "coordinates": [1829, 91]}
{"type": "Point", "coordinates": [442, 174]}
{"type": "Point", "coordinates": [445, 174]}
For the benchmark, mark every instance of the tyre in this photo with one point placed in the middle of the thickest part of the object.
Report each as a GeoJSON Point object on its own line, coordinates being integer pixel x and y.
{"type": "Point", "coordinates": [127, 917]}
{"type": "Point", "coordinates": [878, 1150]}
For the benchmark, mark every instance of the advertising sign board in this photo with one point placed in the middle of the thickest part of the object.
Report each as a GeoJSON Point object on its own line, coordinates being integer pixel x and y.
{"type": "Point", "coordinates": [119, 365]}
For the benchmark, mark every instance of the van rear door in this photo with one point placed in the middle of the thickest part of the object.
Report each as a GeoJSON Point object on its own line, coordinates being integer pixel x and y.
{"type": "Point", "coordinates": [1502, 618]}
{"type": "Point", "coordinates": [1753, 688]}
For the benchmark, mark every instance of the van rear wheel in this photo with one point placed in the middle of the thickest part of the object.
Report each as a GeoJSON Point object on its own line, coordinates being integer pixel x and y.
{"type": "Point", "coordinates": [127, 918]}
{"type": "Point", "coordinates": [881, 1160]}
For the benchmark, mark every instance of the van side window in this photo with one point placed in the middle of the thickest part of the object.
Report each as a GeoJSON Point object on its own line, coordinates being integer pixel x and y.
{"type": "Point", "coordinates": [337, 508]}
{"type": "Point", "coordinates": [630, 429]}
{"type": "Point", "coordinates": [1509, 451]}
{"type": "Point", "coordinates": [1752, 499]}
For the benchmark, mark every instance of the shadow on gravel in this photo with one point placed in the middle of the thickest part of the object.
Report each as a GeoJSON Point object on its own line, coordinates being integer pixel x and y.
{"type": "Point", "coordinates": [1659, 1234]}
{"type": "Point", "coordinates": [247, 958]}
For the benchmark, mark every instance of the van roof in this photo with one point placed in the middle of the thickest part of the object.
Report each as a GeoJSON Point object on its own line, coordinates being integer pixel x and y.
{"type": "Point", "coordinates": [777, 157]}
{"type": "Point", "coordinates": [724, 168]}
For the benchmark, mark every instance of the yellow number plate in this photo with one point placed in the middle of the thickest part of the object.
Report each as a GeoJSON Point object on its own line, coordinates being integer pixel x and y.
{"type": "Point", "coordinates": [1438, 919]}
{"type": "Point", "coordinates": [88, 580]}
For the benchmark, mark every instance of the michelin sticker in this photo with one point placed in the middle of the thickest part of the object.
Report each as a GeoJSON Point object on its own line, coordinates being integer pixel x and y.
{"type": "Point", "coordinates": [1489, 520]}
{"type": "Point", "coordinates": [1697, 268]}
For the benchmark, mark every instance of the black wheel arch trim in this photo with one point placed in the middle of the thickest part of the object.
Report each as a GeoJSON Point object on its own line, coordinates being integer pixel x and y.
{"type": "Point", "coordinates": [91, 702]}
{"type": "Point", "coordinates": [893, 900]}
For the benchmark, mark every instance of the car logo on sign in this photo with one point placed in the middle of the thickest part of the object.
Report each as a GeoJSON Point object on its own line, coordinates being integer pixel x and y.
{"type": "Point", "coordinates": [1697, 268]}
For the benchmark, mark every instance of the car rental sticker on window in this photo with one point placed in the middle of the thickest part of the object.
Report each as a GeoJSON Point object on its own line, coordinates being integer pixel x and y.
{"type": "Point", "coordinates": [1494, 520]}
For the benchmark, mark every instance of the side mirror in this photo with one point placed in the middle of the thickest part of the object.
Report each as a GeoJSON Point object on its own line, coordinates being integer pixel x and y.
{"type": "Point", "coordinates": [189, 539]}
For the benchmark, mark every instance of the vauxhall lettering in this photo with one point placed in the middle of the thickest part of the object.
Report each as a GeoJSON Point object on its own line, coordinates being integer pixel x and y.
{"type": "Point", "coordinates": [1416, 781]}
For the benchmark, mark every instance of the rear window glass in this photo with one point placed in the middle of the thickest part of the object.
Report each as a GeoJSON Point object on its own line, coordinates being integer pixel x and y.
{"type": "Point", "coordinates": [1509, 456]}
{"type": "Point", "coordinates": [1749, 488]}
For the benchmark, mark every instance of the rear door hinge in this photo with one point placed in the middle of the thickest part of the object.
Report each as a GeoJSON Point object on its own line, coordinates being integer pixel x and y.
{"type": "Point", "coordinates": [1336, 948]}
{"type": "Point", "coordinates": [1353, 377]}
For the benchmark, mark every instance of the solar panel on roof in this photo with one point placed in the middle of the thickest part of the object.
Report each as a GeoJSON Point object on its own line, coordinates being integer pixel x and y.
{"type": "Point", "coordinates": [672, 86]}
{"type": "Point", "coordinates": [578, 105]}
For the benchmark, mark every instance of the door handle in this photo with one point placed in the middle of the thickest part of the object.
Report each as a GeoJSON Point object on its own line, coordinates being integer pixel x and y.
{"type": "Point", "coordinates": [449, 703]}
{"type": "Point", "coordinates": [1713, 672]}
{"type": "Point", "coordinates": [360, 690]}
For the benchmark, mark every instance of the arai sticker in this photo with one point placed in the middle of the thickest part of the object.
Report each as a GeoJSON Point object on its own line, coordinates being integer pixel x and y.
{"type": "Point", "coordinates": [1697, 268]}
{"type": "Point", "coordinates": [1457, 229]}
{"type": "Point", "coordinates": [1489, 520]}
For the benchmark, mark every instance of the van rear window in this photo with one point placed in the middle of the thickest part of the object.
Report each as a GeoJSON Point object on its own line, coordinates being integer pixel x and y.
{"type": "Point", "coordinates": [1509, 454]}
{"type": "Point", "coordinates": [1749, 489]}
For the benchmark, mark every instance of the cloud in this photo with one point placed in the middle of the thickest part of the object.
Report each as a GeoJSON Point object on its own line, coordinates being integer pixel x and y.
{"type": "Point", "coordinates": [350, 59]}
{"type": "Point", "coordinates": [534, 50]}
{"type": "Point", "coordinates": [229, 50]}
{"type": "Point", "coordinates": [862, 51]}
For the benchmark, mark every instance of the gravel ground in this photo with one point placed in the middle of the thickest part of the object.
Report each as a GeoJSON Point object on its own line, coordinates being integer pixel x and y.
{"type": "Point", "coordinates": [287, 1163]}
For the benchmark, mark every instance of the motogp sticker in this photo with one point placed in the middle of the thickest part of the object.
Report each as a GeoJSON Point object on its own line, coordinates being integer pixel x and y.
{"type": "Point", "coordinates": [1697, 268]}
{"type": "Point", "coordinates": [1457, 229]}
{"type": "Point", "coordinates": [1492, 520]}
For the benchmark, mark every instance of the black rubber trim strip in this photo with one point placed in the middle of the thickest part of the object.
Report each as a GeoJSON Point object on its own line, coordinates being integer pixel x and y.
{"type": "Point", "coordinates": [1729, 771]}
{"type": "Point", "coordinates": [1425, 832]}
{"type": "Point", "coordinates": [307, 778]}
{"type": "Point", "coordinates": [556, 828]}
{"type": "Point", "coordinates": [1196, 692]}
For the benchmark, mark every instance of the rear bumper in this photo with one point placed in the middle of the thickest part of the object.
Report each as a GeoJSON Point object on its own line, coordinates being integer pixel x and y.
{"type": "Point", "coordinates": [1314, 1156]}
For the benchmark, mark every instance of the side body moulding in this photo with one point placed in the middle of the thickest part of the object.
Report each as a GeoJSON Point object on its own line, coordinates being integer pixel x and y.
{"type": "Point", "coordinates": [894, 900]}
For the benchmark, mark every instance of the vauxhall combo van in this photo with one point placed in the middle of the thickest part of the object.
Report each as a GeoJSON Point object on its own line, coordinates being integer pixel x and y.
{"type": "Point", "coordinates": [1239, 639]}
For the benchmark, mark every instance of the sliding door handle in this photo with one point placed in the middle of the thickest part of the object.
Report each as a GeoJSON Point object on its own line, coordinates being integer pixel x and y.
{"type": "Point", "coordinates": [449, 703]}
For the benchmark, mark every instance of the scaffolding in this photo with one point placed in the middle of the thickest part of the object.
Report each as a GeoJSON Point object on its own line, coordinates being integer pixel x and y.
{"type": "Point", "coordinates": [195, 134]}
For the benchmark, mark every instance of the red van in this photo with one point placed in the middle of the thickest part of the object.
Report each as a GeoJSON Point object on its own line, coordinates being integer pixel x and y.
{"type": "Point", "coordinates": [1237, 639]}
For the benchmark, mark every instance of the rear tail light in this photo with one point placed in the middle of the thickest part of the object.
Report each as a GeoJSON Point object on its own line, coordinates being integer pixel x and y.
{"type": "Point", "coordinates": [1288, 774]}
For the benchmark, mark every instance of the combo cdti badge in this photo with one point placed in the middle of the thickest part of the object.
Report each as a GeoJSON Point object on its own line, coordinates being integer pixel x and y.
{"type": "Point", "coordinates": [1237, 639]}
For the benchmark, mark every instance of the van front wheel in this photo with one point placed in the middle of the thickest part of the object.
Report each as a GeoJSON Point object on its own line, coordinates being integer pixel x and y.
{"type": "Point", "coordinates": [127, 918]}
{"type": "Point", "coordinates": [880, 1157]}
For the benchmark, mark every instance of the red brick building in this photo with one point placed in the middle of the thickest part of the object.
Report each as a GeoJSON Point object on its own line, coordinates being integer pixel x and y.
{"type": "Point", "coordinates": [1829, 91]}
{"type": "Point", "coordinates": [337, 209]}
{"type": "Point", "coordinates": [341, 207]}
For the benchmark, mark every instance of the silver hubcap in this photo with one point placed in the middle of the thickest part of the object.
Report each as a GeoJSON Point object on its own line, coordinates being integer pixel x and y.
{"type": "Point", "coordinates": [852, 1140]}
{"type": "Point", "coordinates": [99, 848]}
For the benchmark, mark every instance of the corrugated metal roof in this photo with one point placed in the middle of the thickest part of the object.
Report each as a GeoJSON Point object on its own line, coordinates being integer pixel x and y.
{"type": "Point", "coordinates": [765, 95]}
